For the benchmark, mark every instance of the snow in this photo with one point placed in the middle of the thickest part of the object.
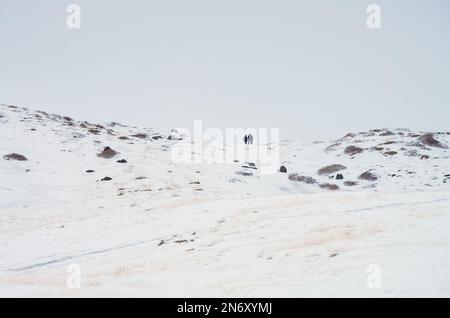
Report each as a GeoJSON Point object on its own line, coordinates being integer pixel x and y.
{"type": "Point", "coordinates": [165, 235]}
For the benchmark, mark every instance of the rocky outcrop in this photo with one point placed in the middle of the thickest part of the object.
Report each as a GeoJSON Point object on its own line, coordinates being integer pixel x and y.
{"type": "Point", "coordinates": [15, 156]}
{"type": "Point", "coordinates": [107, 153]}
{"type": "Point", "coordinates": [330, 169]}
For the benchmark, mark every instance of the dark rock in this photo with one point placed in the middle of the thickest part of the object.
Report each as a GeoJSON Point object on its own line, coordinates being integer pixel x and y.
{"type": "Point", "coordinates": [90, 171]}
{"type": "Point", "coordinates": [331, 147]}
{"type": "Point", "coordinates": [349, 135]}
{"type": "Point", "coordinates": [124, 138]}
{"type": "Point", "coordinates": [300, 178]}
{"type": "Point", "coordinates": [157, 137]}
{"type": "Point", "coordinates": [339, 176]}
{"type": "Point", "coordinates": [94, 131]}
{"type": "Point", "coordinates": [429, 140]}
{"type": "Point", "coordinates": [334, 254]}
{"type": "Point", "coordinates": [140, 135]}
{"type": "Point", "coordinates": [352, 150]}
{"type": "Point", "coordinates": [106, 179]}
{"type": "Point", "coordinates": [122, 161]}
{"type": "Point", "coordinates": [368, 175]}
{"type": "Point", "coordinates": [283, 169]}
{"type": "Point", "coordinates": [329, 186]}
{"type": "Point", "coordinates": [15, 156]}
{"type": "Point", "coordinates": [107, 153]}
{"type": "Point", "coordinates": [387, 133]}
{"type": "Point", "coordinates": [330, 169]}
{"type": "Point", "coordinates": [390, 153]}
{"type": "Point", "coordinates": [350, 183]}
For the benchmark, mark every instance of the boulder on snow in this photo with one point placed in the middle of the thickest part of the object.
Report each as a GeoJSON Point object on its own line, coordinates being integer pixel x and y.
{"type": "Point", "coordinates": [107, 153]}
{"type": "Point", "coordinates": [429, 140]}
{"type": "Point", "coordinates": [368, 176]}
{"type": "Point", "coordinates": [283, 169]}
{"type": "Point", "coordinates": [330, 169]}
{"type": "Point", "coordinates": [122, 161]}
{"type": "Point", "coordinates": [140, 136]}
{"type": "Point", "coordinates": [339, 176]}
{"type": "Point", "coordinates": [15, 156]}
{"type": "Point", "coordinates": [387, 133]}
{"type": "Point", "coordinates": [300, 178]}
{"type": "Point", "coordinates": [106, 179]}
{"type": "Point", "coordinates": [352, 150]}
{"type": "Point", "coordinates": [329, 186]}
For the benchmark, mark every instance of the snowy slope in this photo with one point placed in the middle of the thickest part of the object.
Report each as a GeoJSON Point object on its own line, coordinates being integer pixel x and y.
{"type": "Point", "coordinates": [158, 228]}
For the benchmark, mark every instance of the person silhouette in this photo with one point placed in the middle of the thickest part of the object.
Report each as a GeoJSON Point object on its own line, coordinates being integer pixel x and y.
{"type": "Point", "coordinates": [246, 139]}
{"type": "Point", "coordinates": [250, 139]}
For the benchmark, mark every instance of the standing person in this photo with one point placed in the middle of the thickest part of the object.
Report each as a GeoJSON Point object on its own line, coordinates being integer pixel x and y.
{"type": "Point", "coordinates": [245, 139]}
{"type": "Point", "coordinates": [250, 139]}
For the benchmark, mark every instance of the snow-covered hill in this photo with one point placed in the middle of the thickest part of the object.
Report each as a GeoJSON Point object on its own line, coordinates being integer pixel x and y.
{"type": "Point", "coordinates": [109, 198]}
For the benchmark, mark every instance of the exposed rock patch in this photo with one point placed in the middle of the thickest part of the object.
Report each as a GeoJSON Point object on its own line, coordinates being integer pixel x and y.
{"type": "Point", "coordinates": [387, 133]}
{"type": "Point", "coordinates": [300, 178]}
{"type": "Point", "coordinates": [107, 153]}
{"type": "Point", "coordinates": [352, 150]}
{"type": "Point", "coordinates": [140, 136]}
{"type": "Point", "coordinates": [368, 176]}
{"type": "Point", "coordinates": [429, 140]}
{"type": "Point", "coordinates": [329, 186]}
{"type": "Point", "coordinates": [330, 169]}
{"type": "Point", "coordinates": [15, 156]}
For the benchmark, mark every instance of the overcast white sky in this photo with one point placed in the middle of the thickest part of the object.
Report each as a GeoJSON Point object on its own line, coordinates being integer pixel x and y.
{"type": "Point", "coordinates": [311, 68]}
